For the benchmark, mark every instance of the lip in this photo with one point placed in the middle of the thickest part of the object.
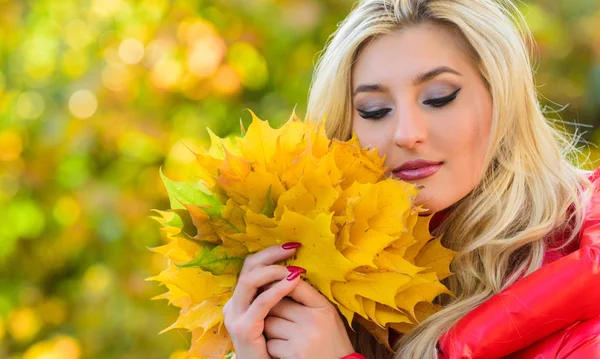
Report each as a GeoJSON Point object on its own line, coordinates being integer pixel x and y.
{"type": "Point", "coordinates": [417, 169]}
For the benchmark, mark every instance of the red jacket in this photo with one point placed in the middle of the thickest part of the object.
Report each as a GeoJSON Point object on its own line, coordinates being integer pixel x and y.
{"type": "Point", "coordinates": [552, 313]}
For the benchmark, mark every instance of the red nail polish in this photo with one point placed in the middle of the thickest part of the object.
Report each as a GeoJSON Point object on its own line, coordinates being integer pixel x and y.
{"type": "Point", "coordinates": [290, 245]}
{"type": "Point", "coordinates": [294, 272]}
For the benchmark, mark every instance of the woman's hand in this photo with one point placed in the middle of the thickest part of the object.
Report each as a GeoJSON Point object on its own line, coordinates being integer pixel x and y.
{"type": "Point", "coordinates": [306, 327]}
{"type": "Point", "coordinates": [245, 312]}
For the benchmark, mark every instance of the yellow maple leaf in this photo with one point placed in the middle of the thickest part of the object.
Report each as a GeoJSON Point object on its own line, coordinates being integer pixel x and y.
{"type": "Point", "coordinates": [212, 343]}
{"type": "Point", "coordinates": [257, 145]}
{"type": "Point", "coordinates": [436, 258]}
{"type": "Point", "coordinates": [204, 315]}
{"type": "Point", "coordinates": [318, 255]}
{"type": "Point", "coordinates": [365, 245]}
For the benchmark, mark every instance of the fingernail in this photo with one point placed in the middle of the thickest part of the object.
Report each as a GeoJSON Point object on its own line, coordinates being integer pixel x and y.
{"type": "Point", "coordinates": [294, 272]}
{"type": "Point", "coordinates": [290, 245]}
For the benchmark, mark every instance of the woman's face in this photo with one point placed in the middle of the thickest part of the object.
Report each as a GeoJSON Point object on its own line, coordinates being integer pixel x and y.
{"type": "Point", "coordinates": [420, 101]}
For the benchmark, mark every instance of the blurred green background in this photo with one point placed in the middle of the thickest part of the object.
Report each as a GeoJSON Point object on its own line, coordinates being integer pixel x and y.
{"type": "Point", "coordinates": [96, 95]}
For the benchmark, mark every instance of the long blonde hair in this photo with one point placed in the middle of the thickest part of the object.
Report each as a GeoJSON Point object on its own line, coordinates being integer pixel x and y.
{"type": "Point", "coordinates": [530, 188]}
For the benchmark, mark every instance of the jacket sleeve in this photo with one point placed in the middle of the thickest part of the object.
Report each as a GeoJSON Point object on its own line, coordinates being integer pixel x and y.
{"type": "Point", "coordinates": [354, 356]}
{"type": "Point", "coordinates": [556, 296]}
{"type": "Point", "coordinates": [580, 340]}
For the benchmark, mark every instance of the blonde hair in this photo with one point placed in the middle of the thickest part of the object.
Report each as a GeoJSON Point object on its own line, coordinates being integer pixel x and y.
{"type": "Point", "coordinates": [529, 191]}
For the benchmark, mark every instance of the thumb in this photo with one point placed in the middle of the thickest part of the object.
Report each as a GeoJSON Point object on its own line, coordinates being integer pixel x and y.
{"type": "Point", "coordinates": [308, 296]}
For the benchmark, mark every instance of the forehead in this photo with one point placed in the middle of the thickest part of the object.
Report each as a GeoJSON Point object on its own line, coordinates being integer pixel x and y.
{"type": "Point", "coordinates": [403, 54]}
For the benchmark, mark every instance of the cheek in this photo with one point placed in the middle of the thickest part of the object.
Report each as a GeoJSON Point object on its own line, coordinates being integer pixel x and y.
{"type": "Point", "coordinates": [370, 133]}
{"type": "Point", "coordinates": [482, 129]}
{"type": "Point", "coordinates": [472, 142]}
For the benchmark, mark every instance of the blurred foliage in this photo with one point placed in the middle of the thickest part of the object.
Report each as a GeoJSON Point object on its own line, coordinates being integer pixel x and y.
{"type": "Point", "coordinates": [96, 95]}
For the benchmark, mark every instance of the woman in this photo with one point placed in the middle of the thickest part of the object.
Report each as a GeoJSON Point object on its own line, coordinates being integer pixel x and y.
{"type": "Point", "coordinates": [444, 88]}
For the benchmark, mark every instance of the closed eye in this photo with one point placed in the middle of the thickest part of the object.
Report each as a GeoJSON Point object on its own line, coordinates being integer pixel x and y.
{"type": "Point", "coordinates": [441, 101]}
{"type": "Point", "coordinates": [375, 114]}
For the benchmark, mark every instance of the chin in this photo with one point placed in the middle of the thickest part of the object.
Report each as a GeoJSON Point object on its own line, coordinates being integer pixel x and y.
{"type": "Point", "coordinates": [428, 202]}
{"type": "Point", "coordinates": [424, 201]}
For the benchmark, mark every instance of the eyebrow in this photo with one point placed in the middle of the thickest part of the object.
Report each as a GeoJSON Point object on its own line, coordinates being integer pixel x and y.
{"type": "Point", "coordinates": [420, 79]}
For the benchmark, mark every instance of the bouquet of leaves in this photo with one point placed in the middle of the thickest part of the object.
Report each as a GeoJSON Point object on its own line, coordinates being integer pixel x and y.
{"type": "Point", "coordinates": [364, 245]}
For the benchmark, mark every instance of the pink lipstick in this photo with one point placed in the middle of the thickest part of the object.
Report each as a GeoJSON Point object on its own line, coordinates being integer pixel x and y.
{"type": "Point", "coordinates": [417, 169]}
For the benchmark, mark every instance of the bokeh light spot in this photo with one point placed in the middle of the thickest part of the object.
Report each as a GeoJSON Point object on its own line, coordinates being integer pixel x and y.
{"type": "Point", "coordinates": [226, 81]}
{"type": "Point", "coordinates": [131, 51]}
{"type": "Point", "coordinates": [60, 347]}
{"type": "Point", "coordinates": [11, 145]}
{"type": "Point", "coordinates": [66, 211]}
{"type": "Point", "coordinates": [106, 8]}
{"type": "Point", "coordinates": [73, 171]}
{"type": "Point", "coordinates": [26, 218]}
{"type": "Point", "coordinates": [77, 34]}
{"type": "Point", "coordinates": [116, 77]}
{"type": "Point", "coordinates": [83, 104]}
{"type": "Point", "coordinates": [97, 280]}
{"type": "Point", "coordinates": [155, 52]}
{"type": "Point", "coordinates": [23, 324]}
{"type": "Point", "coordinates": [190, 31]}
{"type": "Point", "coordinates": [249, 64]}
{"type": "Point", "coordinates": [205, 55]}
{"type": "Point", "coordinates": [68, 347]}
{"type": "Point", "coordinates": [167, 73]}
{"type": "Point", "coordinates": [39, 56]}
{"type": "Point", "coordinates": [30, 105]}
{"type": "Point", "coordinates": [75, 63]}
{"type": "Point", "coordinates": [53, 311]}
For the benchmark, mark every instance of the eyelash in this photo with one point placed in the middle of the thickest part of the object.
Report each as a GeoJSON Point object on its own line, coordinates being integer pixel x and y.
{"type": "Point", "coordinates": [434, 103]}
{"type": "Point", "coordinates": [441, 101]}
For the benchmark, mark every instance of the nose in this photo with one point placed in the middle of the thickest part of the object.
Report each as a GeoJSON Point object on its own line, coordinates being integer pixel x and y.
{"type": "Point", "coordinates": [410, 130]}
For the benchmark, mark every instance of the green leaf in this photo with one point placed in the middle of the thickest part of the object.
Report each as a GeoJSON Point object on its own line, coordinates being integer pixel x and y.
{"type": "Point", "coordinates": [176, 221]}
{"type": "Point", "coordinates": [218, 260]}
{"type": "Point", "coordinates": [181, 192]}
{"type": "Point", "coordinates": [269, 208]}
{"type": "Point", "coordinates": [187, 225]}
{"type": "Point", "coordinates": [207, 246]}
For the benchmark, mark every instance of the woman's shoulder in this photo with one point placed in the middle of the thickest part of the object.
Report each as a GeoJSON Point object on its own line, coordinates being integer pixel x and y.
{"type": "Point", "coordinates": [556, 299]}
{"type": "Point", "coordinates": [592, 175]}
{"type": "Point", "coordinates": [560, 298]}
{"type": "Point", "coordinates": [557, 246]}
{"type": "Point", "coordinates": [590, 232]}
{"type": "Point", "coordinates": [577, 341]}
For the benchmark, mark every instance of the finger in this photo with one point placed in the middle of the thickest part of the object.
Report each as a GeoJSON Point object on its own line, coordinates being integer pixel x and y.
{"type": "Point", "coordinates": [248, 284]}
{"type": "Point", "coordinates": [287, 309]}
{"type": "Point", "coordinates": [261, 306]}
{"type": "Point", "coordinates": [266, 287]}
{"type": "Point", "coordinates": [277, 348]}
{"type": "Point", "coordinates": [268, 256]}
{"type": "Point", "coordinates": [279, 328]}
{"type": "Point", "coordinates": [306, 295]}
